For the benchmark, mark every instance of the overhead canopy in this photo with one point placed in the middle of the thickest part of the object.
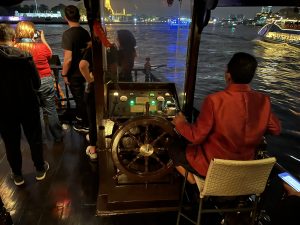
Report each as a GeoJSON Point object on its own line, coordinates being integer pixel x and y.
{"type": "Point", "coordinates": [221, 2]}
{"type": "Point", "coordinates": [258, 2]}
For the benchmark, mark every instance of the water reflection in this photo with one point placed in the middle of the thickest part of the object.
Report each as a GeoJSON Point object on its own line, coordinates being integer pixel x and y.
{"type": "Point", "coordinates": [7, 193]}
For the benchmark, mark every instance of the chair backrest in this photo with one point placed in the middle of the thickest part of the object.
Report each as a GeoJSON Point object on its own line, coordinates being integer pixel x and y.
{"type": "Point", "coordinates": [234, 178]}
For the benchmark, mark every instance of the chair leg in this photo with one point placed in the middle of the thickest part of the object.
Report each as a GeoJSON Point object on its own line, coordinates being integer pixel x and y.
{"type": "Point", "coordinates": [254, 210]}
{"type": "Point", "coordinates": [199, 211]}
{"type": "Point", "coordinates": [181, 197]}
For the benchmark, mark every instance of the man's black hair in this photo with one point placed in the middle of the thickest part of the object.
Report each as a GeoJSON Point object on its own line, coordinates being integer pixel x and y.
{"type": "Point", "coordinates": [242, 67]}
{"type": "Point", "coordinates": [72, 13]}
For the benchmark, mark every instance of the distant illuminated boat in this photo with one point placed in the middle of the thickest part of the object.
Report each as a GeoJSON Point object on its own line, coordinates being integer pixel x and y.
{"type": "Point", "coordinates": [282, 31]}
{"type": "Point", "coordinates": [181, 22]}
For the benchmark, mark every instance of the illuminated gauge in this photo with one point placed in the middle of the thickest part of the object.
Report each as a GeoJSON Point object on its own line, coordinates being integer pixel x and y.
{"type": "Point", "coordinates": [160, 98]}
{"type": "Point", "coordinates": [123, 98]}
{"type": "Point", "coordinates": [131, 93]}
{"type": "Point", "coordinates": [167, 94]}
{"type": "Point", "coordinates": [151, 94]}
{"type": "Point", "coordinates": [116, 94]}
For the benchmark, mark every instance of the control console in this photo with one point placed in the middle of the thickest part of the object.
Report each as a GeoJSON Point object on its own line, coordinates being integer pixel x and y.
{"type": "Point", "coordinates": [128, 100]}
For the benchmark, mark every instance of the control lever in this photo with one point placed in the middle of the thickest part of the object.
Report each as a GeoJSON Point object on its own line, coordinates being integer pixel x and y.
{"type": "Point", "coordinates": [115, 102]}
{"type": "Point", "coordinates": [147, 108]}
{"type": "Point", "coordinates": [176, 105]}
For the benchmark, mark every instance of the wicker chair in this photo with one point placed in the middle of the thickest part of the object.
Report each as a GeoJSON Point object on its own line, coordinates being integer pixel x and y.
{"type": "Point", "coordinates": [231, 178]}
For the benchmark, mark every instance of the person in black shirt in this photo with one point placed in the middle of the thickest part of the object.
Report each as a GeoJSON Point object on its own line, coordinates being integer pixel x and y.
{"type": "Point", "coordinates": [126, 54]}
{"type": "Point", "coordinates": [74, 41]}
{"type": "Point", "coordinates": [86, 68]}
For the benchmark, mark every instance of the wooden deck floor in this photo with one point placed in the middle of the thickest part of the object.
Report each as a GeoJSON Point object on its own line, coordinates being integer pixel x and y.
{"type": "Point", "coordinates": [69, 192]}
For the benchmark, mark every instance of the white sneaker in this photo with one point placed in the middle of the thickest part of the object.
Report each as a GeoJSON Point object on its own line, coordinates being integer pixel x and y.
{"type": "Point", "coordinates": [78, 118]}
{"type": "Point", "coordinates": [65, 126]}
{"type": "Point", "coordinates": [93, 156]}
{"type": "Point", "coordinates": [87, 137]}
{"type": "Point", "coordinates": [40, 175]}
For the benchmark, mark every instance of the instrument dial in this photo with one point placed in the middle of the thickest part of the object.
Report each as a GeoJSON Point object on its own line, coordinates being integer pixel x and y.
{"type": "Point", "coordinates": [160, 98]}
{"type": "Point", "coordinates": [123, 98]}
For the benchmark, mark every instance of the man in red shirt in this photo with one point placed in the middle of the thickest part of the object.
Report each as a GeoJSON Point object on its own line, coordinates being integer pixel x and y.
{"type": "Point", "coordinates": [231, 123]}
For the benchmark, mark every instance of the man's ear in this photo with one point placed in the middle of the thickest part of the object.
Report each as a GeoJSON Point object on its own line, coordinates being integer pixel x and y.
{"type": "Point", "coordinates": [228, 78]}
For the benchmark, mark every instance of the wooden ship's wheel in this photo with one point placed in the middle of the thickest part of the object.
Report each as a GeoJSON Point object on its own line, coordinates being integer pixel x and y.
{"type": "Point", "coordinates": [140, 147]}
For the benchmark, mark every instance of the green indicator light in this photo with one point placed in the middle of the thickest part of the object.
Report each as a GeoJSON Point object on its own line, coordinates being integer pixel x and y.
{"type": "Point", "coordinates": [153, 102]}
{"type": "Point", "coordinates": [151, 94]}
{"type": "Point", "coordinates": [131, 102]}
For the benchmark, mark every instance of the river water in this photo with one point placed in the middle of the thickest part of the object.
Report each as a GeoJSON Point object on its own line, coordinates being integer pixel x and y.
{"type": "Point", "coordinates": [278, 72]}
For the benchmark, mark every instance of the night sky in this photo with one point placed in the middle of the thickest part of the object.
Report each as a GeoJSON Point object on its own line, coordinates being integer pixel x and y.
{"type": "Point", "coordinates": [159, 7]}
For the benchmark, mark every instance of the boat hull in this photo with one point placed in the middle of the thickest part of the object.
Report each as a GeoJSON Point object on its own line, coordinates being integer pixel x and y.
{"type": "Point", "coordinates": [275, 34]}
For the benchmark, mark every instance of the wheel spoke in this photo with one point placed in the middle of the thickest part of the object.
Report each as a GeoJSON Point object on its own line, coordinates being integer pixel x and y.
{"type": "Point", "coordinates": [133, 161]}
{"type": "Point", "coordinates": [158, 138]}
{"type": "Point", "coordinates": [146, 164]}
{"type": "Point", "coordinates": [134, 138]}
{"type": "Point", "coordinates": [160, 149]}
{"type": "Point", "coordinates": [158, 160]}
{"type": "Point", "coordinates": [127, 150]}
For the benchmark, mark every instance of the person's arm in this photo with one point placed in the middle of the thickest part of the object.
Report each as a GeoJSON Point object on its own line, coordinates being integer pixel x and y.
{"type": "Point", "coordinates": [43, 39]}
{"type": "Point", "coordinates": [198, 131]}
{"type": "Point", "coordinates": [66, 65]}
{"type": "Point", "coordinates": [290, 191]}
{"type": "Point", "coordinates": [84, 69]}
{"type": "Point", "coordinates": [274, 125]}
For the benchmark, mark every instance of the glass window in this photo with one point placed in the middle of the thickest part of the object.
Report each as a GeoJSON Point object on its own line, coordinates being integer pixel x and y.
{"type": "Point", "coordinates": [151, 40]}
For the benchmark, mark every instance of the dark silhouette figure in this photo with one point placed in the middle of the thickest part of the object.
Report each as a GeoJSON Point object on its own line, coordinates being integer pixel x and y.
{"type": "Point", "coordinates": [126, 54]}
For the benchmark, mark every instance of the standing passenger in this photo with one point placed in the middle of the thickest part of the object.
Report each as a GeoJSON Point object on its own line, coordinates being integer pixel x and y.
{"type": "Point", "coordinates": [74, 41]}
{"type": "Point", "coordinates": [86, 68]}
{"type": "Point", "coordinates": [19, 83]}
{"type": "Point", "coordinates": [126, 54]}
{"type": "Point", "coordinates": [41, 53]}
{"type": "Point", "coordinates": [147, 70]}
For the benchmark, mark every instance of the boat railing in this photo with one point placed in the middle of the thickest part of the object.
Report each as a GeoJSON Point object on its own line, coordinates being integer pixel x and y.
{"type": "Point", "coordinates": [141, 75]}
{"type": "Point", "coordinates": [63, 95]}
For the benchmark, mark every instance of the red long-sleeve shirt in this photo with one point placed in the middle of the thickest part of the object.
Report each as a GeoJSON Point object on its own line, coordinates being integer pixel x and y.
{"type": "Point", "coordinates": [40, 54]}
{"type": "Point", "coordinates": [230, 125]}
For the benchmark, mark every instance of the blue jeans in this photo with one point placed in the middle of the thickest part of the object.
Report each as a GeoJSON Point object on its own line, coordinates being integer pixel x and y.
{"type": "Point", "coordinates": [47, 98]}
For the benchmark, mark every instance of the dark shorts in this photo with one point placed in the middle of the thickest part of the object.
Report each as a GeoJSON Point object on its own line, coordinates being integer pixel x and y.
{"type": "Point", "coordinates": [178, 155]}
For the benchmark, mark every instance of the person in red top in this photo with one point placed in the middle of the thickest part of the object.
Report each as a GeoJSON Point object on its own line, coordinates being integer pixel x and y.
{"type": "Point", "coordinates": [41, 53]}
{"type": "Point", "coordinates": [231, 123]}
